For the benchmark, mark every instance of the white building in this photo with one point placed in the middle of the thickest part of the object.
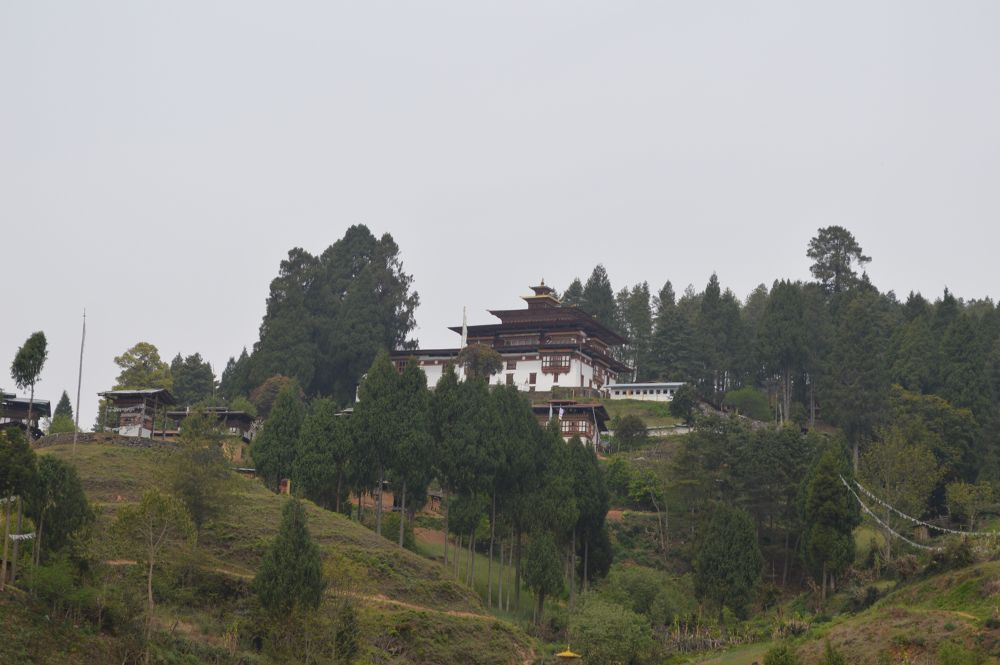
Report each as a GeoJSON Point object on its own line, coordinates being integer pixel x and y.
{"type": "Point", "coordinates": [647, 392]}
{"type": "Point", "coordinates": [544, 346]}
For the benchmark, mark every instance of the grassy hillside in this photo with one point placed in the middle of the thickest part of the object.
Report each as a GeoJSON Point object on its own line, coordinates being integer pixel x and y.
{"type": "Point", "coordinates": [411, 610]}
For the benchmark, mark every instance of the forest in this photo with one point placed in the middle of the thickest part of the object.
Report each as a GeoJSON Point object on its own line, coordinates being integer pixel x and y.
{"type": "Point", "coordinates": [842, 448]}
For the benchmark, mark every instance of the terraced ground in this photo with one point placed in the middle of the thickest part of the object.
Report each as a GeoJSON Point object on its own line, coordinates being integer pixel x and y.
{"type": "Point", "coordinates": [411, 610]}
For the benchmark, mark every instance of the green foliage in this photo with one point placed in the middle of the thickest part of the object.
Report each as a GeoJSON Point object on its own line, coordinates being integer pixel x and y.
{"type": "Point", "coordinates": [728, 564]}
{"type": "Point", "coordinates": [57, 504]}
{"type": "Point", "coordinates": [609, 634]}
{"type": "Point", "coordinates": [479, 361]}
{"type": "Point", "coordinates": [274, 448]}
{"type": "Point", "coordinates": [199, 472]}
{"type": "Point", "coordinates": [264, 395]}
{"type": "Point", "coordinates": [325, 448]}
{"type": "Point", "coordinates": [29, 360]}
{"type": "Point", "coordinates": [236, 380]}
{"type": "Point", "coordinates": [141, 367]}
{"type": "Point", "coordinates": [347, 637]}
{"type": "Point", "coordinates": [781, 655]}
{"type": "Point", "coordinates": [967, 500]}
{"type": "Point", "coordinates": [543, 569]}
{"type": "Point", "coordinates": [598, 298]}
{"type": "Point", "coordinates": [158, 524]}
{"type": "Point", "coordinates": [630, 433]}
{"type": "Point", "coordinates": [290, 575]}
{"type": "Point", "coordinates": [749, 402]}
{"type": "Point", "coordinates": [835, 251]}
{"type": "Point", "coordinates": [950, 653]}
{"type": "Point", "coordinates": [651, 593]}
{"type": "Point", "coordinates": [64, 407]}
{"type": "Point", "coordinates": [60, 424]}
{"type": "Point", "coordinates": [830, 517]}
{"type": "Point", "coordinates": [17, 463]}
{"type": "Point", "coordinates": [684, 403]}
{"type": "Point", "coordinates": [328, 315]}
{"type": "Point", "coordinates": [900, 472]}
{"type": "Point", "coordinates": [193, 379]}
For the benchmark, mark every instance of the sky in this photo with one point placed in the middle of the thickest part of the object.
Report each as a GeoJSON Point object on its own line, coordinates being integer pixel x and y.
{"type": "Point", "coordinates": [159, 159]}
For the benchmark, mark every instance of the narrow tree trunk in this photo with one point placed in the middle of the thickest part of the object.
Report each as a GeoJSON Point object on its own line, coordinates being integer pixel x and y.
{"type": "Point", "coordinates": [17, 543]}
{"type": "Point", "coordinates": [812, 402]}
{"type": "Point", "coordinates": [572, 569]}
{"type": "Point", "coordinates": [361, 506]}
{"type": "Point", "coordinates": [500, 580]}
{"type": "Point", "coordinates": [444, 505]}
{"type": "Point", "coordinates": [6, 539]}
{"type": "Point", "coordinates": [37, 550]}
{"type": "Point", "coordinates": [489, 567]}
{"type": "Point", "coordinates": [340, 478]}
{"type": "Point", "coordinates": [517, 573]}
{"type": "Point", "coordinates": [510, 563]}
{"type": "Point", "coordinates": [472, 562]}
{"type": "Point", "coordinates": [402, 513]}
{"type": "Point", "coordinates": [586, 563]}
{"type": "Point", "coordinates": [540, 612]}
{"type": "Point", "coordinates": [784, 572]}
{"type": "Point", "coordinates": [822, 592]}
{"type": "Point", "coordinates": [378, 500]}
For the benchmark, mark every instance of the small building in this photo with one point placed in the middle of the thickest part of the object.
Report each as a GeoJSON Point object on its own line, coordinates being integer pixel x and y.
{"type": "Point", "coordinates": [237, 423]}
{"type": "Point", "coordinates": [545, 347]}
{"type": "Point", "coordinates": [134, 412]}
{"type": "Point", "coordinates": [14, 413]}
{"type": "Point", "coordinates": [586, 420]}
{"type": "Point", "coordinates": [646, 392]}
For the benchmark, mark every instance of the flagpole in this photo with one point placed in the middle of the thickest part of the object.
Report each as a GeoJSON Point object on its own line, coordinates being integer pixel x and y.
{"type": "Point", "coordinates": [79, 381]}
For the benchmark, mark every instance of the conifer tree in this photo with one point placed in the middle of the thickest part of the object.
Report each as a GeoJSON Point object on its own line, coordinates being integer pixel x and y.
{"type": "Point", "coordinates": [57, 505]}
{"type": "Point", "coordinates": [831, 514]}
{"type": "Point", "coordinates": [598, 298]}
{"type": "Point", "coordinates": [781, 339]}
{"type": "Point", "coordinates": [411, 460]}
{"type": "Point", "coordinates": [835, 252]}
{"type": "Point", "coordinates": [64, 407]}
{"type": "Point", "coordinates": [290, 576]}
{"type": "Point", "coordinates": [324, 451]}
{"type": "Point", "coordinates": [377, 423]}
{"type": "Point", "coordinates": [573, 296]}
{"type": "Point", "coordinates": [274, 448]}
{"type": "Point", "coordinates": [728, 565]}
{"type": "Point", "coordinates": [199, 473]}
{"type": "Point", "coordinates": [542, 571]}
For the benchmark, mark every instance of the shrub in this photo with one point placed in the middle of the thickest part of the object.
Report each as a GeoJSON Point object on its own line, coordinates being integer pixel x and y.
{"type": "Point", "coordinates": [831, 656]}
{"type": "Point", "coordinates": [950, 653]}
{"type": "Point", "coordinates": [630, 433]}
{"type": "Point", "coordinates": [749, 402]}
{"type": "Point", "coordinates": [781, 655]}
{"type": "Point", "coordinates": [608, 633]}
{"type": "Point", "coordinates": [957, 553]}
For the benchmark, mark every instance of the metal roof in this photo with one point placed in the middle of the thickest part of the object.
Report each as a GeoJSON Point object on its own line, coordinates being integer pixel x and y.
{"type": "Point", "coordinates": [662, 384]}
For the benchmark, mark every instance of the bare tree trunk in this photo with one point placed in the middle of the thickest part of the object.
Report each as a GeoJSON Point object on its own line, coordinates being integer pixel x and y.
{"type": "Point", "coordinates": [500, 579]}
{"type": "Point", "coordinates": [489, 567]}
{"type": "Point", "coordinates": [340, 478]}
{"type": "Point", "coordinates": [812, 402]}
{"type": "Point", "coordinates": [510, 564]}
{"type": "Point", "coordinates": [6, 539]}
{"type": "Point", "coordinates": [472, 561]}
{"type": "Point", "coordinates": [586, 563]}
{"type": "Point", "coordinates": [378, 501]}
{"type": "Point", "coordinates": [444, 505]}
{"type": "Point", "coordinates": [402, 513]}
{"type": "Point", "coordinates": [784, 572]}
{"type": "Point", "coordinates": [149, 587]}
{"type": "Point", "coordinates": [572, 569]}
{"type": "Point", "coordinates": [517, 573]}
{"type": "Point", "coordinates": [17, 543]}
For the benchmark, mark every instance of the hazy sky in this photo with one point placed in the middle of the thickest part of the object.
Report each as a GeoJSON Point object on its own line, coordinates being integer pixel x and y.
{"type": "Point", "coordinates": [158, 159]}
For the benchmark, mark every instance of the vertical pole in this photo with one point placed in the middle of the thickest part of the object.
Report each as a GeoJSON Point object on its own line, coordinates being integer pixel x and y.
{"type": "Point", "coordinates": [79, 381]}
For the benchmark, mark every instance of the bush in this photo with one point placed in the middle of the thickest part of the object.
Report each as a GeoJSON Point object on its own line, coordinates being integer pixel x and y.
{"type": "Point", "coordinates": [608, 633]}
{"type": "Point", "coordinates": [956, 554]}
{"type": "Point", "coordinates": [648, 592]}
{"type": "Point", "coordinates": [390, 530]}
{"type": "Point", "coordinates": [831, 656]}
{"type": "Point", "coordinates": [749, 402]}
{"type": "Point", "coordinates": [630, 433]}
{"type": "Point", "coordinates": [781, 655]}
{"type": "Point", "coordinates": [950, 653]}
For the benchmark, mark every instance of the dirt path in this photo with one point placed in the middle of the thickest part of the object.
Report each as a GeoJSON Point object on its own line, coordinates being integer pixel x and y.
{"type": "Point", "coordinates": [385, 600]}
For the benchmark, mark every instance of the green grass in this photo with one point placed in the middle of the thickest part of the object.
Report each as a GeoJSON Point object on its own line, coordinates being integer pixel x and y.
{"type": "Point", "coordinates": [411, 607]}
{"type": "Point", "coordinates": [744, 655]}
{"type": "Point", "coordinates": [654, 414]}
{"type": "Point", "coordinates": [480, 570]}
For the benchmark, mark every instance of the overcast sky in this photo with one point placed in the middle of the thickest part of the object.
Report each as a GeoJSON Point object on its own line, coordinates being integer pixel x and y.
{"type": "Point", "coordinates": [158, 159]}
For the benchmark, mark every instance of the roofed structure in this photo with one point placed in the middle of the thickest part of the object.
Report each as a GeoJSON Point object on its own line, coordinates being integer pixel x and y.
{"type": "Point", "coordinates": [14, 413]}
{"type": "Point", "coordinates": [544, 346]}
{"type": "Point", "coordinates": [135, 409]}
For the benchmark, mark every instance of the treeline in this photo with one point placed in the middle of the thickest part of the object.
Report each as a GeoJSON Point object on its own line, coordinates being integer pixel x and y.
{"type": "Point", "coordinates": [507, 481]}
{"type": "Point", "coordinates": [829, 349]}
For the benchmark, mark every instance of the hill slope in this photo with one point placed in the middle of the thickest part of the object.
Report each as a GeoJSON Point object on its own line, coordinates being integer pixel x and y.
{"type": "Point", "coordinates": [411, 610]}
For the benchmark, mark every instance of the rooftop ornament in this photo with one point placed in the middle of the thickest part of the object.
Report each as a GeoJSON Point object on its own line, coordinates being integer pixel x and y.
{"type": "Point", "coordinates": [568, 656]}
